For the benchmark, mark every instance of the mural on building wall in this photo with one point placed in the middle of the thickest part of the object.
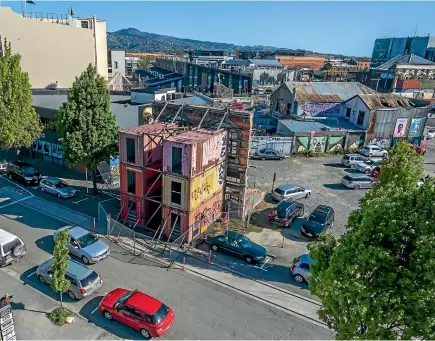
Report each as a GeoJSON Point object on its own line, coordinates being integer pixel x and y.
{"type": "Point", "coordinates": [416, 127]}
{"type": "Point", "coordinates": [381, 142]}
{"type": "Point", "coordinates": [48, 148]}
{"type": "Point", "coordinates": [302, 143]}
{"type": "Point", "coordinates": [322, 109]}
{"type": "Point", "coordinates": [283, 144]}
{"type": "Point", "coordinates": [114, 170]}
{"type": "Point", "coordinates": [355, 141]}
{"type": "Point", "coordinates": [318, 144]}
{"type": "Point", "coordinates": [335, 143]}
{"type": "Point", "coordinates": [400, 128]}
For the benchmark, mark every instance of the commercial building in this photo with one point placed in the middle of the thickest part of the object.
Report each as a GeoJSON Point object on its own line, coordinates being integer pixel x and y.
{"type": "Point", "coordinates": [298, 62]}
{"type": "Point", "coordinates": [410, 75]}
{"type": "Point", "coordinates": [116, 62]}
{"type": "Point", "coordinates": [172, 178]}
{"type": "Point", "coordinates": [387, 118]}
{"type": "Point", "coordinates": [55, 49]}
{"type": "Point", "coordinates": [385, 49]}
{"type": "Point", "coordinates": [313, 99]}
{"type": "Point", "coordinates": [212, 58]}
{"type": "Point", "coordinates": [267, 54]}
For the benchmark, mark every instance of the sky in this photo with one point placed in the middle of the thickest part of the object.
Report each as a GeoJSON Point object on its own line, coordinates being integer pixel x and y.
{"type": "Point", "coordinates": [343, 27]}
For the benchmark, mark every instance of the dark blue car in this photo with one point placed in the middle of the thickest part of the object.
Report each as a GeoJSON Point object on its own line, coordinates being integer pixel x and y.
{"type": "Point", "coordinates": [238, 245]}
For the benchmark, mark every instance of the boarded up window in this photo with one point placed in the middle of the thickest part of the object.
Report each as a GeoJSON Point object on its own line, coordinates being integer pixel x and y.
{"type": "Point", "coordinates": [131, 154]}
{"type": "Point", "coordinates": [176, 160]}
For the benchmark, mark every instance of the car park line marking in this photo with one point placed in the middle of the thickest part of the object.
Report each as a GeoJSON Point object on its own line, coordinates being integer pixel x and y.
{"type": "Point", "coordinates": [15, 184]}
{"type": "Point", "coordinates": [34, 272]}
{"type": "Point", "coordinates": [16, 201]}
{"type": "Point", "coordinates": [76, 202]}
{"type": "Point", "coordinates": [264, 264]}
{"type": "Point", "coordinates": [93, 311]}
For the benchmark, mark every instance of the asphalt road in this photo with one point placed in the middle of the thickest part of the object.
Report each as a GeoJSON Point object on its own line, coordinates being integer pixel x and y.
{"type": "Point", "coordinates": [204, 310]}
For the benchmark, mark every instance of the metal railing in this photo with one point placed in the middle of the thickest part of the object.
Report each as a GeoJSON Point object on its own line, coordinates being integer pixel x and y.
{"type": "Point", "coordinates": [48, 17]}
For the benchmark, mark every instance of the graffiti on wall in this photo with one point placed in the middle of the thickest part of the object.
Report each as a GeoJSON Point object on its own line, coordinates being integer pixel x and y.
{"type": "Point", "coordinates": [318, 144]}
{"type": "Point", "coordinates": [283, 144]}
{"type": "Point", "coordinates": [323, 109]}
{"type": "Point", "coordinates": [221, 174]}
{"type": "Point", "coordinates": [383, 143]}
{"type": "Point", "coordinates": [206, 217]}
{"type": "Point", "coordinates": [202, 190]}
{"type": "Point", "coordinates": [223, 147]}
{"type": "Point", "coordinates": [302, 143]}
{"type": "Point", "coordinates": [335, 143]}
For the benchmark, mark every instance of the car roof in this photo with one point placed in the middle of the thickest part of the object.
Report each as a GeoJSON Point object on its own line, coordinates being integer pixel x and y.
{"type": "Point", "coordinates": [323, 208]}
{"type": "Point", "coordinates": [52, 179]}
{"type": "Point", "coordinates": [285, 204]}
{"type": "Point", "coordinates": [353, 154]}
{"type": "Point", "coordinates": [305, 258]}
{"type": "Point", "coordinates": [288, 186]}
{"type": "Point", "coordinates": [21, 163]}
{"type": "Point", "coordinates": [147, 304]}
{"type": "Point", "coordinates": [74, 268]}
{"type": "Point", "coordinates": [358, 176]}
{"type": "Point", "coordinates": [78, 232]}
{"type": "Point", "coordinates": [6, 237]}
{"type": "Point", "coordinates": [372, 145]}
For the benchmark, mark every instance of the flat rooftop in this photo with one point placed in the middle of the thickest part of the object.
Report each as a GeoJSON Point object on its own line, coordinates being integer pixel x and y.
{"type": "Point", "coordinates": [327, 124]}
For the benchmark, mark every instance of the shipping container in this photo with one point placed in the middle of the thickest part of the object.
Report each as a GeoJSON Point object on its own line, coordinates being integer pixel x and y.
{"type": "Point", "coordinates": [405, 84]}
{"type": "Point", "coordinates": [142, 145]}
{"type": "Point", "coordinates": [189, 225]}
{"type": "Point", "coordinates": [188, 194]}
{"type": "Point", "coordinates": [193, 152]}
{"type": "Point", "coordinates": [132, 207]}
{"type": "Point", "coordinates": [132, 180]}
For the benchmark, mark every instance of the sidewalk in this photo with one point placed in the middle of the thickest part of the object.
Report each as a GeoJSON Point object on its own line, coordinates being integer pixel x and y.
{"type": "Point", "coordinates": [197, 263]}
{"type": "Point", "coordinates": [29, 308]}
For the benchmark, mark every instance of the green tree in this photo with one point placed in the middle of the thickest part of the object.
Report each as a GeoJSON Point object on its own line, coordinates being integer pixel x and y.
{"type": "Point", "coordinates": [377, 281]}
{"type": "Point", "coordinates": [59, 282]}
{"type": "Point", "coordinates": [19, 123]}
{"type": "Point", "coordinates": [86, 124]}
{"type": "Point", "coordinates": [143, 64]}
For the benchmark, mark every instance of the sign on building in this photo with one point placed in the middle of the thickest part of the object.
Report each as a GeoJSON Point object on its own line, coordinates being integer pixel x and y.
{"type": "Point", "coordinates": [7, 327]}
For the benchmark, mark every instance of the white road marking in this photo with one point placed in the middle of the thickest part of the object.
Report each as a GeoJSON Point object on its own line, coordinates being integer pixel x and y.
{"type": "Point", "coordinates": [15, 184]}
{"type": "Point", "coordinates": [264, 264]}
{"type": "Point", "coordinates": [16, 201]}
{"type": "Point", "coordinates": [34, 272]}
{"type": "Point", "coordinates": [76, 202]}
{"type": "Point", "coordinates": [106, 200]}
{"type": "Point", "coordinates": [93, 311]}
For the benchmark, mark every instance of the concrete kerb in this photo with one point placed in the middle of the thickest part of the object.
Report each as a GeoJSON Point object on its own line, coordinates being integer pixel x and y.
{"type": "Point", "coordinates": [69, 306]}
{"type": "Point", "coordinates": [180, 266]}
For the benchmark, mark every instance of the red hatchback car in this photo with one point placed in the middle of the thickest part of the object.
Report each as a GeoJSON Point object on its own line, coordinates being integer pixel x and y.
{"type": "Point", "coordinates": [138, 311]}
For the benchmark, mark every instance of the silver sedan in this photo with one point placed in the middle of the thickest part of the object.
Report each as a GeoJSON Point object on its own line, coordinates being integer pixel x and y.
{"type": "Point", "coordinates": [57, 187]}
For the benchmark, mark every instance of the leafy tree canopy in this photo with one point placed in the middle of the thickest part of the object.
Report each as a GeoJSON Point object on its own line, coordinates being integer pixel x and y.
{"type": "Point", "coordinates": [143, 64]}
{"type": "Point", "coordinates": [60, 266]}
{"type": "Point", "coordinates": [86, 124]}
{"type": "Point", "coordinates": [19, 123]}
{"type": "Point", "coordinates": [377, 281]}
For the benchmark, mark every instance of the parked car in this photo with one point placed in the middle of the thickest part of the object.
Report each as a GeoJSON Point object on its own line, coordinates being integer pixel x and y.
{"type": "Point", "coordinates": [23, 172]}
{"type": "Point", "coordinates": [357, 181]}
{"type": "Point", "coordinates": [430, 133]}
{"type": "Point", "coordinates": [137, 310]}
{"type": "Point", "coordinates": [350, 160]}
{"type": "Point", "coordinates": [373, 150]}
{"type": "Point", "coordinates": [85, 245]}
{"type": "Point", "coordinates": [57, 187]}
{"type": "Point", "coordinates": [3, 165]}
{"type": "Point", "coordinates": [84, 281]}
{"type": "Point", "coordinates": [285, 212]}
{"type": "Point", "coordinates": [238, 245]}
{"type": "Point", "coordinates": [269, 154]}
{"type": "Point", "coordinates": [301, 268]}
{"type": "Point", "coordinates": [321, 219]}
{"type": "Point", "coordinates": [12, 248]}
{"type": "Point", "coordinates": [367, 166]}
{"type": "Point", "coordinates": [418, 149]}
{"type": "Point", "coordinates": [376, 172]}
{"type": "Point", "coordinates": [290, 191]}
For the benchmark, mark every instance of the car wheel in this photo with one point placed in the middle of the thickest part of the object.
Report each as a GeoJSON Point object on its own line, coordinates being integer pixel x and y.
{"type": "Point", "coordinates": [299, 279]}
{"type": "Point", "coordinates": [108, 315]}
{"type": "Point", "coordinates": [10, 177]}
{"type": "Point", "coordinates": [42, 279]}
{"type": "Point", "coordinates": [281, 158]}
{"type": "Point", "coordinates": [263, 158]}
{"type": "Point", "coordinates": [145, 333]}
{"type": "Point", "coordinates": [71, 294]}
{"type": "Point", "coordinates": [370, 154]}
{"type": "Point", "coordinates": [42, 189]}
{"type": "Point", "coordinates": [308, 194]}
{"type": "Point", "coordinates": [423, 153]}
{"type": "Point", "coordinates": [356, 187]}
{"type": "Point", "coordinates": [215, 248]}
{"type": "Point", "coordinates": [85, 260]}
{"type": "Point", "coordinates": [248, 259]}
{"type": "Point", "coordinates": [352, 165]}
{"type": "Point", "coordinates": [301, 213]}
{"type": "Point", "coordinates": [367, 171]}
{"type": "Point", "coordinates": [58, 196]}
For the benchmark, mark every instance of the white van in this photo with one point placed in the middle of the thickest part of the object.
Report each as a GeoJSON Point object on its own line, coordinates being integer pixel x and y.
{"type": "Point", "coordinates": [12, 248]}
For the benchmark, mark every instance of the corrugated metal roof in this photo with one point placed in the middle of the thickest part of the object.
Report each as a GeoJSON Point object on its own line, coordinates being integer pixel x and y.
{"type": "Point", "coordinates": [327, 92]}
{"type": "Point", "coordinates": [146, 128]}
{"type": "Point", "coordinates": [332, 124]}
{"type": "Point", "coordinates": [404, 59]}
{"type": "Point", "coordinates": [386, 101]}
{"type": "Point", "coordinates": [237, 62]}
{"type": "Point", "coordinates": [265, 62]}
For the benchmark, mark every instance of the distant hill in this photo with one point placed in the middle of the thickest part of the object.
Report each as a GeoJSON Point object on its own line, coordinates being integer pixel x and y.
{"type": "Point", "coordinates": [133, 40]}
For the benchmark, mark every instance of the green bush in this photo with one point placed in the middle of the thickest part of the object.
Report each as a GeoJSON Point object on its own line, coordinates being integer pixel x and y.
{"type": "Point", "coordinates": [59, 315]}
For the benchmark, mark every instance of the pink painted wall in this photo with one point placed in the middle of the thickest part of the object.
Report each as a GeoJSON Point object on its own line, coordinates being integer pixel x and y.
{"type": "Point", "coordinates": [187, 157]}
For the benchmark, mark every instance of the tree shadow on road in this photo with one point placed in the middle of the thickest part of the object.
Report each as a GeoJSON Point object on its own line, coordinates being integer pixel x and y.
{"type": "Point", "coordinates": [337, 187]}
{"type": "Point", "coordinates": [334, 165]}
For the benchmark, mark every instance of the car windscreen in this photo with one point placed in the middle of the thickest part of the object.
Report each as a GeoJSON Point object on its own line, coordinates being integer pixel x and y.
{"type": "Point", "coordinates": [87, 239]}
{"type": "Point", "coordinates": [89, 280]}
{"type": "Point", "coordinates": [279, 191]}
{"type": "Point", "coordinates": [346, 157]}
{"type": "Point", "coordinates": [8, 247]}
{"type": "Point", "coordinates": [317, 217]}
{"type": "Point", "coordinates": [160, 314]}
{"type": "Point", "coordinates": [61, 184]}
{"type": "Point", "coordinates": [29, 170]}
{"type": "Point", "coordinates": [348, 178]}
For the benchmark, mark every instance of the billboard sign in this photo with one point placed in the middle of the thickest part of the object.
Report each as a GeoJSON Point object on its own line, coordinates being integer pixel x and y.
{"type": "Point", "coordinates": [416, 127]}
{"type": "Point", "coordinates": [400, 127]}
